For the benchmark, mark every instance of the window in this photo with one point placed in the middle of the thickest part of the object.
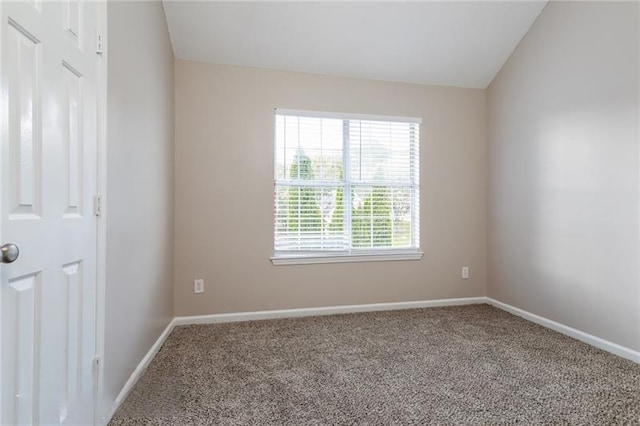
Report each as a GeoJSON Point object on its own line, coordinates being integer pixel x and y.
{"type": "Point", "coordinates": [346, 187]}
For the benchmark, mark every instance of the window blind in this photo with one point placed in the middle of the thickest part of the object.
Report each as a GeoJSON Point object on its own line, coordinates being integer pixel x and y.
{"type": "Point", "coordinates": [345, 183]}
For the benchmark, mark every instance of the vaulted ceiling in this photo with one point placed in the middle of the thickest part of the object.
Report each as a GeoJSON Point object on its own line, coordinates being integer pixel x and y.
{"type": "Point", "coordinates": [451, 43]}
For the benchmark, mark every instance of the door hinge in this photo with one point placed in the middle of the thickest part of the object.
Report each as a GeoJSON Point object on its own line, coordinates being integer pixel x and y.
{"type": "Point", "coordinates": [97, 205]}
{"type": "Point", "coordinates": [100, 44]}
{"type": "Point", "coordinates": [96, 371]}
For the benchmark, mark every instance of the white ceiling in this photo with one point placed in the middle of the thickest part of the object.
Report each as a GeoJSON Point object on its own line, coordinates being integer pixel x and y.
{"type": "Point", "coordinates": [461, 43]}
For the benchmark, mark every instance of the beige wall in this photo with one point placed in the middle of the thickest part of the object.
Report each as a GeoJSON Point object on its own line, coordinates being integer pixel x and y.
{"type": "Point", "coordinates": [140, 187]}
{"type": "Point", "coordinates": [563, 132]}
{"type": "Point", "coordinates": [224, 186]}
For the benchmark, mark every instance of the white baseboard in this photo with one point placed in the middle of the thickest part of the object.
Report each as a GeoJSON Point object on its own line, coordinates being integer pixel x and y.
{"type": "Point", "coordinates": [140, 369]}
{"type": "Point", "coordinates": [592, 340]}
{"type": "Point", "coordinates": [328, 310]}
{"type": "Point", "coordinates": [603, 344]}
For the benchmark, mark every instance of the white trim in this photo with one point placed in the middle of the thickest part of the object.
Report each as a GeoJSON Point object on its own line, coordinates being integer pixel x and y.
{"type": "Point", "coordinates": [101, 221]}
{"type": "Point", "coordinates": [4, 136]}
{"type": "Point", "coordinates": [346, 116]}
{"type": "Point", "coordinates": [638, 199]}
{"type": "Point", "coordinates": [326, 310]}
{"type": "Point", "coordinates": [140, 369]}
{"type": "Point", "coordinates": [279, 260]}
{"type": "Point", "coordinates": [603, 344]}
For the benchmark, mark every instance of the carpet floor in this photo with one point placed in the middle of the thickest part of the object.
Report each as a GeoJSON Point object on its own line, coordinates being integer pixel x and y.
{"type": "Point", "coordinates": [466, 365]}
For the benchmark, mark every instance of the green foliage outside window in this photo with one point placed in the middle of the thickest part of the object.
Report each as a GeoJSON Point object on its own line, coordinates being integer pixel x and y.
{"type": "Point", "coordinates": [303, 210]}
{"type": "Point", "coordinates": [371, 221]}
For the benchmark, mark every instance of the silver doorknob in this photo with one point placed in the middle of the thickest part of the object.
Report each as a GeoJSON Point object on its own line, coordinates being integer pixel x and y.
{"type": "Point", "coordinates": [9, 253]}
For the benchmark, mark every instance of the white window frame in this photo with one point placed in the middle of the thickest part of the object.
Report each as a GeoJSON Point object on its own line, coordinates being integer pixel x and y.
{"type": "Point", "coordinates": [284, 257]}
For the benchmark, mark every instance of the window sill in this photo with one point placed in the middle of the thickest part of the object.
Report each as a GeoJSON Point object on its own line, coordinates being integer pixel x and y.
{"type": "Point", "coordinates": [308, 259]}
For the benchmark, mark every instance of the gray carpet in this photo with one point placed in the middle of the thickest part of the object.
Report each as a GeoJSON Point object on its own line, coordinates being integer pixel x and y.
{"type": "Point", "coordinates": [456, 365]}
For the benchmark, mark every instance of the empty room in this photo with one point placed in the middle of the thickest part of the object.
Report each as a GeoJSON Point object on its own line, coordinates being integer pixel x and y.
{"type": "Point", "coordinates": [319, 212]}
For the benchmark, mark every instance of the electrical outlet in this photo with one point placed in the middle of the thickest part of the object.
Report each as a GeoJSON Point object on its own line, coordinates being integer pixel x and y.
{"type": "Point", "coordinates": [464, 273]}
{"type": "Point", "coordinates": [198, 285]}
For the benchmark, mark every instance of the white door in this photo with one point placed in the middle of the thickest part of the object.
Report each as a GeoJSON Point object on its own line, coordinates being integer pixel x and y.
{"type": "Point", "coordinates": [48, 108]}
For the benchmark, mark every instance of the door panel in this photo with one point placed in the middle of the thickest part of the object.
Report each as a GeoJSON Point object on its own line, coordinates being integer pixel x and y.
{"type": "Point", "coordinates": [72, 335]}
{"type": "Point", "coordinates": [72, 139]}
{"type": "Point", "coordinates": [21, 67]}
{"type": "Point", "coordinates": [48, 161]}
{"type": "Point", "coordinates": [21, 326]}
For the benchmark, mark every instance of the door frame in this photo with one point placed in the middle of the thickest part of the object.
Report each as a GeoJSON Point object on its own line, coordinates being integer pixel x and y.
{"type": "Point", "coordinates": [100, 410]}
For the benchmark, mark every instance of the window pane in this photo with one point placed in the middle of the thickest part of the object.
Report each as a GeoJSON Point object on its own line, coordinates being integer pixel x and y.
{"type": "Point", "coordinates": [309, 218]}
{"type": "Point", "coordinates": [308, 148]}
{"type": "Point", "coordinates": [381, 217]}
{"type": "Point", "coordinates": [380, 151]}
